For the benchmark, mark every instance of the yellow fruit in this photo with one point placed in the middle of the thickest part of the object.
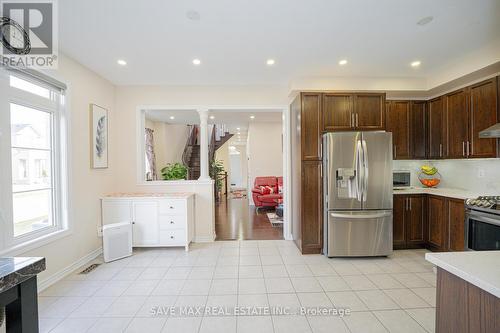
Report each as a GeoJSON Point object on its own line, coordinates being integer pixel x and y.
{"type": "Point", "coordinates": [429, 170]}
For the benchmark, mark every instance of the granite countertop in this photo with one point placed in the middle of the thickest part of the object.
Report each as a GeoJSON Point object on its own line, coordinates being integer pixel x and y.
{"type": "Point", "coordinates": [127, 195]}
{"type": "Point", "coordinates": [480, 268]}
{"type": "Point", "coordinates": [441, 191]}
{"type": "Point", "coordinates": [19, 269]}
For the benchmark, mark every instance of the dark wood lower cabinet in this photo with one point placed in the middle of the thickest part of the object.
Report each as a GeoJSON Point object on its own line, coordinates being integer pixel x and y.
{"type": "Point", "coordinates": [456, 225]}
{"type": "Point", "coordinates": [408, 221]}
{"type": "Point", "coordinates": [312, 210]}
{"type": "Point", "coordinates": [436, 237]}
{"type": "Point", "coordinates": [462, 307]}
{"type": "Point", "coordinates": [431, 221]}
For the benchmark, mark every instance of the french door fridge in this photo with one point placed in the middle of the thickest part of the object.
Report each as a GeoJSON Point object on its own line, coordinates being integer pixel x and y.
{"type": "Point", "coordinates": [357, 194]}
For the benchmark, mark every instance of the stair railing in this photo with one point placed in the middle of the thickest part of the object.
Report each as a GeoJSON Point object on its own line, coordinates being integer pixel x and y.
{"type": "Point", "coordinates": [188, 149]}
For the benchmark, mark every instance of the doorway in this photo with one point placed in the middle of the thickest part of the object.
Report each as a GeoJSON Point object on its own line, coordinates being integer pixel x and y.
{"type": "Point", "coordinates": [251, 192]}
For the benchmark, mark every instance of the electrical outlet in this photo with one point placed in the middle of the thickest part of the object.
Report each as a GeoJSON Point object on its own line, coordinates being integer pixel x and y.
{"type": "Point", "coordinates": [99, 231]}
{"type": "Point", "coordinates": [480, 173]}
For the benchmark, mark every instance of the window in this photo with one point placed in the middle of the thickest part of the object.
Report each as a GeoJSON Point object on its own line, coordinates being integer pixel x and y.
{"type": "Point", "coordinates": [37, 185]}
{"type": "Point", "coordinates": [31, 132]}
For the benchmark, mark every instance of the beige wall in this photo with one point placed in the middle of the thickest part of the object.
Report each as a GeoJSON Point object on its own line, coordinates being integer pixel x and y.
{"type": "Point", "coordinates": [264, 149]}
{"type": "Point", "coordinates": [222, 154]}
{"type": "Point", "coordinates": [86, 185]}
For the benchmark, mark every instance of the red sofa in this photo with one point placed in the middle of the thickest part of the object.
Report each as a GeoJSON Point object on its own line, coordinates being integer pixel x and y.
{"type": "Point", "coordinates": [261, 187]}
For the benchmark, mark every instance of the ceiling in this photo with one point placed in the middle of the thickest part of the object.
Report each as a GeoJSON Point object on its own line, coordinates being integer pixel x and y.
{"type": "Point", "coordinates": [234, 38]}
{"type": "Point", "coordinates": [236, 120]}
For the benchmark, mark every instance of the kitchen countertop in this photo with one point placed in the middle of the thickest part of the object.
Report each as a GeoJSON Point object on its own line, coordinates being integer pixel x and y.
{"type": "Point", "coordinates": [15, 270]}
{"type": "Point", "coordinates": [441, 191]}
{"type": "Point", "coordinates": [480, 268]}
{"type": "Point", "coordinates": [128, 195]}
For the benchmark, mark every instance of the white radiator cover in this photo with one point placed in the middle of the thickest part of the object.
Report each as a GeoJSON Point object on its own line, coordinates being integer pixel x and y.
{"type": "Point", "coordinates": [117, 241]}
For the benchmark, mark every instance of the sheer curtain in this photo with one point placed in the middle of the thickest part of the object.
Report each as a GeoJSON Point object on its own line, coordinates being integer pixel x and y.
{"type": "Point", "coordinates": [150, 155]}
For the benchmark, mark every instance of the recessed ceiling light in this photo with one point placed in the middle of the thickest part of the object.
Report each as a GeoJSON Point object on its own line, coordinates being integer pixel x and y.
{"type": "Point", "coordinates": [342, 62]}
{"type": "Point", "coordinates": [172, 117]}
{"type": "Point", "coordinates": [239, 133]}
{"type": "Point", "coordinates": [196, 62]}
{"type": "Point", "coordinates": [121, 62]}
{"type": "Point", "coordinates": [415, 64]}
{"type": "Point", "coordinates": [252, 117]}
{"type": "Point", "coordinates": [212, 117]}
{"type": "Point", "coordinates": [237, 128]}
{"type": "Point", "coordinates": [425, 20]}
{"type": "Point", "coordinates": [270, 62]}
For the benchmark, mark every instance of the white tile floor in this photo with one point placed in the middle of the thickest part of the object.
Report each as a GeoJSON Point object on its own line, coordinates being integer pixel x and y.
{"type": "Point", "coordinates": [395, 294]}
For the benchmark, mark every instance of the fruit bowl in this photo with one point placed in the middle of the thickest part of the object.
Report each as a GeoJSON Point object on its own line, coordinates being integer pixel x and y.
{"type": "Point", "coordinates": [430, 182]}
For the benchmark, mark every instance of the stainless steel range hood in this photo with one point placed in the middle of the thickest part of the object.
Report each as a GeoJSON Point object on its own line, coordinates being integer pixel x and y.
{"type": "Point", "coordinates": [491, 132]}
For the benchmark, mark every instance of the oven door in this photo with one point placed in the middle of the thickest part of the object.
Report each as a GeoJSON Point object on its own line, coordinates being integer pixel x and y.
{"type": "Point", "coordinates": [482, 231]}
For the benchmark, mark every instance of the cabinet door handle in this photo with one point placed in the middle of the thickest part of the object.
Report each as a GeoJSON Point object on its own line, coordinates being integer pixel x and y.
{"type": "Point", "coordinates": [440, 150]}
{"type": "Point", "coordinates": [133, 222]}
{"type": "Point", "coordinates": [357, 118]}
{"type": "Point", "coordinates": [395, 151]}
{"type": "Point", "coordinates": [171, 207]}
{"type": "Point", "coordinates": [171, 237]}
{"type": "Point", "coordinates": [409, 199]}
{"type": "Point", "coordinates": [171, 222]}
{"type": "Point", "coordinates": [468, 148]}
{"type": "Point", "coordinates": [463, 148]}
{"type": "Point", "coordinates": [406, 204]}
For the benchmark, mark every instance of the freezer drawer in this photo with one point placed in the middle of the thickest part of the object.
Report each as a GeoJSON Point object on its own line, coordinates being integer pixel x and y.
{"type": "Point", "coordinates": [359, 233]}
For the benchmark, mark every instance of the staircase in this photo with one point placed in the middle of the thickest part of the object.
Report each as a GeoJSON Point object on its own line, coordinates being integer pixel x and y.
{"type": "Point", "coordinates": [191, 155]}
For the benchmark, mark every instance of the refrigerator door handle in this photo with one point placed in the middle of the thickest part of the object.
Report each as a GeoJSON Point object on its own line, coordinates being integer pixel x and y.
{"type": "Point", "coordinates": [359, 165]}
{"type": "Point", "coordinates": [361, 216]}
{"type": "Point", "coordinates": [365, 171]}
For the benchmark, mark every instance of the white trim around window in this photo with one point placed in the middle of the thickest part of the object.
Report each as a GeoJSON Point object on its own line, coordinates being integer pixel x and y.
{"type": "Point", "coordinates": [52, 106]}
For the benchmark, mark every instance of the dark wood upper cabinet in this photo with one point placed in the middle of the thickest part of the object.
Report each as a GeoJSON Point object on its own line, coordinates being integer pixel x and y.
{"type": "Point", "coordinates": [456, 225]}
{"type": "Point", "coordinates": [312, 209]}
{"type": "Point", "coordinates": [418, 129]}
{"type": "Point", "coordinates": [337, 112]}
{"type": "Point", "coordinates": [397, 117]}
{"type": "Point", "coordinates": [369, 110]}
{"type": "Point", "coordinates": [311, 126]}
{"type": "Point", "coordinates": [483, 114]}
{"type": "Point", "coordinates": [437, 223]}
{"type": "Point", "coordinates": [457, 116]}
{"type": "Point", "coordinates": [415, 221]}
{"type": "Point", "coordinates": [437, 128]}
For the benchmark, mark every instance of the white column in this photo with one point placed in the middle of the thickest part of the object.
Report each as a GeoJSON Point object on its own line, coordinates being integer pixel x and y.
{"type": "Point", "coordinates": [204, 174]}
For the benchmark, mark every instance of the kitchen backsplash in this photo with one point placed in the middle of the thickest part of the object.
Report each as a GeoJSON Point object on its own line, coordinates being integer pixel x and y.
{"type": "Point", "coordinates": [476, 175]}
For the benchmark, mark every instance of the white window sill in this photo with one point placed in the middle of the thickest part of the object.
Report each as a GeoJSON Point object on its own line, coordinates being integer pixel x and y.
{"type": "Point", "coordinates": [35, 243]}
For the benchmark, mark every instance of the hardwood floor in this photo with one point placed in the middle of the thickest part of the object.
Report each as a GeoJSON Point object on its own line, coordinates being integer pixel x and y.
{"type": "Point", "coordinates": [235, 219]}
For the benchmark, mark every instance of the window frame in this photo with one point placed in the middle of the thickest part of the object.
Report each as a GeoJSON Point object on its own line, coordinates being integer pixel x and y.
{"type": "Point", "coordinates": [56, 106]}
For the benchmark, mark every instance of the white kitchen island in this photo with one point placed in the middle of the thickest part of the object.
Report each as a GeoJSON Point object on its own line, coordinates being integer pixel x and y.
{"type": "Point", "coordinates": [468, 291]}
{"type": "Point", "coordinates": [158, 219]}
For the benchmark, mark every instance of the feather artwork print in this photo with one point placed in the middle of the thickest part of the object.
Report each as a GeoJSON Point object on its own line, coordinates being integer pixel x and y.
{"type": "Point", "coordinates": [100, 136]}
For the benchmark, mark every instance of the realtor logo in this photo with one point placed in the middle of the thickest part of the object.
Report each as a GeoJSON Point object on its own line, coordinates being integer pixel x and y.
{"type": "Point", "coordinates": [28, 33]}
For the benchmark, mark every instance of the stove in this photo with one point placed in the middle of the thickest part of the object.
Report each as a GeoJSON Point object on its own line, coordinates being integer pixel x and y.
{"type": "Point", "coordinates": [482, 223]}
{"type": "Point", "coordinates": [489, 204]}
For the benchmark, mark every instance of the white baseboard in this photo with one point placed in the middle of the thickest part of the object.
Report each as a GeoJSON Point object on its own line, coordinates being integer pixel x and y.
{"type": "Point", "coordinates": [204, 239]}
{"type": "Point", "coordinates": [44, 284]}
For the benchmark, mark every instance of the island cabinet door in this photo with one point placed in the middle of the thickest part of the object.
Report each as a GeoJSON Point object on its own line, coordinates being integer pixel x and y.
{"type": "Point", "coordinates": [437, 228]}
{"type": "Point", "coordinates": [399, 225]}
{"type": "Point", "coordinates": [145, 223]}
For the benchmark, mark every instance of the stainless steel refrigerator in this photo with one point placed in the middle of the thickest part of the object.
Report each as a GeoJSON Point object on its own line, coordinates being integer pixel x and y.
{"type": "Point", "coordinates": [357, 194]}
